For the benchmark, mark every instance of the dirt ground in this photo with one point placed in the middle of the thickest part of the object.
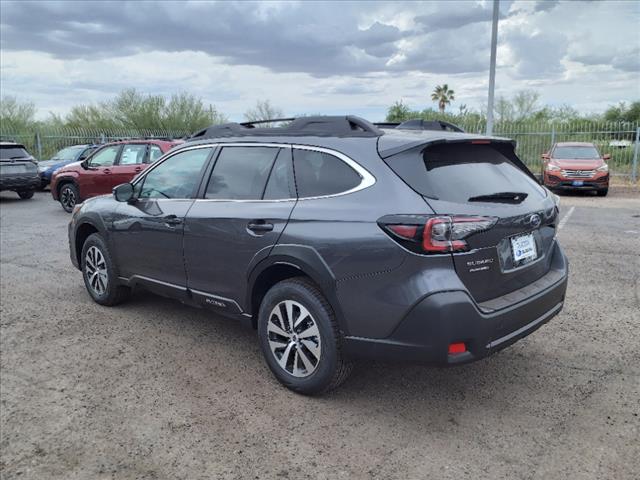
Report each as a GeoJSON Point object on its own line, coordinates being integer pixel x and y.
{"type": "Point", "coordinates": [155, 390]}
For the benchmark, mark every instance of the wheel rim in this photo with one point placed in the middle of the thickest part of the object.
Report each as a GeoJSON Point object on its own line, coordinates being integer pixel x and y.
{"type": "Point", "coordinates": [68, 197]}
{"type": "Point", "coordinates": [96, 270]}
{"type": "Point", "coordinates": [294, 338]}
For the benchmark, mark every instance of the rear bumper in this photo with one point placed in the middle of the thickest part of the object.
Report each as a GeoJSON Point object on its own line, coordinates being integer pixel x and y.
{"type": "Point", "coordinates": [443, 318]}
{"type": "Point", "coordinates": [19, 182]}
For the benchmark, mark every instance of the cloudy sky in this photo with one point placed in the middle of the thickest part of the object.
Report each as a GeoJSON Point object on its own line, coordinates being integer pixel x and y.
{"type": "Point", "coordinates": [319, 57]}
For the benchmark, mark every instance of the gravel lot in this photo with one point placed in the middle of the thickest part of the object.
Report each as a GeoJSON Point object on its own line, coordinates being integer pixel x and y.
{"type": "Point", "coordinates": [154, 390]}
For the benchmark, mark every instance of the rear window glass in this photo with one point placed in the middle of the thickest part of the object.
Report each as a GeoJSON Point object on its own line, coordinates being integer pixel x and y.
{"type": "Point", "coordinates": [319, 174]}
{"type": "Point", "coordinates": [456, 173]}
{"type": "Point", "coordinates": [13, 152]}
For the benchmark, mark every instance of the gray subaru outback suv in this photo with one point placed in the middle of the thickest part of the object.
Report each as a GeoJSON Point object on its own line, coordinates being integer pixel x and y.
{"type": "Point", "coordinates": [336, 240]}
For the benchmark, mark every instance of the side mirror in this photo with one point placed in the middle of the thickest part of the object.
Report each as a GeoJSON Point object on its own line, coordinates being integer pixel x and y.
{"type": "Point", "coordinates": [545, 156]}
{"type": "Point", "coordinates": [606, 156]}
{"type": "Point", "coordinates": [84, 164]}
{"type": "Point", "coordinates": [123, 192]}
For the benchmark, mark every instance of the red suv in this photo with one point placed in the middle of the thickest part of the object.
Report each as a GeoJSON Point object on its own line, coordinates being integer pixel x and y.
{"type": "Point", "coordinates": [578, 165]}
{"type": "Point", "coordinates": [110, 165]}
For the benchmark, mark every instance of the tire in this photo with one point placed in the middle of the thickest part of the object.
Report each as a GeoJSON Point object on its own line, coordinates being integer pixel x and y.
{"type": "Point", "coordinates": [603, 192]}
{"type": "Point", "coordinates": [26, 194]}
{"type": "Point", "coordinates": [315, 363]}
{"type": "Point", "coordinates": [99, 273]}
{"type": "Point", "coordinates": [68, 196]}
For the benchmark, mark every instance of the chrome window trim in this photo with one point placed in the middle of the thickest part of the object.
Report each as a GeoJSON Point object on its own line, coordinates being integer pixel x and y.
{"type": "Point", "coordinates": [367, 179]}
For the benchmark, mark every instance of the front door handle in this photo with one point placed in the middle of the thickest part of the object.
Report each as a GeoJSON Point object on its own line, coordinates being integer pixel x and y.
{"type": "Point", "coordinates": [172, 220]}
{"type": "Point", "coordinates": [106, 170]}
{"type": "Point", "coordinates": [137, 169]}
{"type": "Point", "coordinates": [260, 226]}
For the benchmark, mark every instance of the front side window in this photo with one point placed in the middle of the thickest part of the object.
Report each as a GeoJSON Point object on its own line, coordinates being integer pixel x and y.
{"type": "Point", "coordinates": [105, 157]}
{"type": "Point", "coordinates": [241, 173]}
{"type": "Point", "coordinates": [177, 177]}
{"type": "Point", "coordinates": [319, 174]}
{"type": "Point", "coordinates": [154, 153]}
{"type": "Point", "coordinates": [133, 154]}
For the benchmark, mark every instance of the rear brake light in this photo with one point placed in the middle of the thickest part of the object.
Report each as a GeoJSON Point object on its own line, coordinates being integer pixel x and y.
{"type": "Point", "coordinates": [434, 234]}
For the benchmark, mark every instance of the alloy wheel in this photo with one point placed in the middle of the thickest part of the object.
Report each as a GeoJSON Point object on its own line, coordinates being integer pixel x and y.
{"type": "Point", "coordinates": [294, 338]}
{"type": "Point", "coordinates": [68, 198]}
{"type": "Point", "coordinates": [96, 270]}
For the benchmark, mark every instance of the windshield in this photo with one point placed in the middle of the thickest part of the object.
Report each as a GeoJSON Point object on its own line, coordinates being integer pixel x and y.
{"type": "Point", "coordinates": [578, 153]}
{"type": "Point", "coordinates": [68, 153]}
{"type": "Point", "coordinates": [14, 151]}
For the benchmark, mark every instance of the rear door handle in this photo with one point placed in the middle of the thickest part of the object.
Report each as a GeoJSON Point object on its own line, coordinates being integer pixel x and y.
{"type": "Point", "coordinates": [106, 170]}
{"type": "Point", "coordinates": [172, 220]}
{"type": "Point", "coordinates": [260, 226]}
{"type": "Point", "coordinates": [137, 169]}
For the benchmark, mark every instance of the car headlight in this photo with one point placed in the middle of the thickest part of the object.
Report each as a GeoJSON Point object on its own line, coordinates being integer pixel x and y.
{"type": "Point", "coordinates": [552, 168]}
{"type": "Point", "coordinates": [603, 168]}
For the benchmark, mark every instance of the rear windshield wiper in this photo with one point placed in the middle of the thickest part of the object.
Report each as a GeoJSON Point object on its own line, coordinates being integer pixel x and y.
{"type": "Point", "coordinates": [500, 197]}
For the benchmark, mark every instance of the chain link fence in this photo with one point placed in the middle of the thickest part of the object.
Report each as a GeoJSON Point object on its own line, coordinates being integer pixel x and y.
{"type": "Point", "coordinates": [43, 143]}
{"type": "Point", "coordinates": [620, 140]}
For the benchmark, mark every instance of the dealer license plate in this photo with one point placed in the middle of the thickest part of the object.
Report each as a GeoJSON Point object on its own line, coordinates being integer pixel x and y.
{"type": "Point", "coordinates": [523, 248]}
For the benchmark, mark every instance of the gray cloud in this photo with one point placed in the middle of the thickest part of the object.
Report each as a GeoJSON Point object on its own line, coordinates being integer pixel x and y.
{"type": "Point", "coordinates": [538, 55]}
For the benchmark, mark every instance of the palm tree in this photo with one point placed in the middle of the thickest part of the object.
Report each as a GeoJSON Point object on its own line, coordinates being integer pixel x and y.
{"type": "Point", "coordinates": [443, 96]}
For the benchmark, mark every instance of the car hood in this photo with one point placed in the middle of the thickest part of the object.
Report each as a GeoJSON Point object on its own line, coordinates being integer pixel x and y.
{"type": "Point", "coordinates": [578, 164]}
{"type": "Point", "coordinates": [70, 167]}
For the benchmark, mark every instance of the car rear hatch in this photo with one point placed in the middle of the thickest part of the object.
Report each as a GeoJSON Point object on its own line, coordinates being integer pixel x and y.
{"type": "Point", "coordinates": [496, 221]}
{"type": "Point", "coordinates": [15, 160]}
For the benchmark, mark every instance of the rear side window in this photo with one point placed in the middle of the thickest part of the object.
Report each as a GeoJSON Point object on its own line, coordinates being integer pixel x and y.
{"type": "Point", "coordinates": [16, 151]}
{"type": "Point", "coordinates": [458, 172]}
{"type": "Point", "coordinates": [154, 153]}
{"type": "Point", "coordinates": [241, 173]}
{"type": "Point", "coordinates": [133, 154]}
{"type": "Point", "coordinates": [319, 174]}
{"type": "Point", "coordinates": [281, 184]}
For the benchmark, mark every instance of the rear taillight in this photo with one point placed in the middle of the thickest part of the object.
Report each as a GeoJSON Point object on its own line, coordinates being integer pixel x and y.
{"type": "Point", "coordinates": [434, 234]}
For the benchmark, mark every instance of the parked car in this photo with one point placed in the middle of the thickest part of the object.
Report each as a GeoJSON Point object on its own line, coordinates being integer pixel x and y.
{"type": "Point", "coordinates": [18, 170]}
{"type": "Point", "coordinates": [64, 157]}
{"type": "Point", "coordinates": [111, 164]}
{"type": "Point", "coordinates": [576, 165]}
{"type": "Point", "coordinates": [336, 240]}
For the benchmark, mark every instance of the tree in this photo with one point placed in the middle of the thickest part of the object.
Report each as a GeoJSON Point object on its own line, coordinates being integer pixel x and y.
{"type": "Point", "coordinates": [131, 109]}
{"type": "Point", "coordinates": [503, 109]}
{"type": "Point", "coordinates": [263, 111]}
{"type": "Point", "coordinates": [398, 112]}
{"type": "Point", "coordinates": [525, 104]}
{"type": "Point", "coordinates": [443, 95]}
{"type": "Point", "coordinates": [16, 115]}
{"type": "Point", "coordinates": [622, 113]}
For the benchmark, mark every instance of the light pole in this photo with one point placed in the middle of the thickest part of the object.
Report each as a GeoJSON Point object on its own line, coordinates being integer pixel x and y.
{"type": "Point", "coordinates": [492, 65]}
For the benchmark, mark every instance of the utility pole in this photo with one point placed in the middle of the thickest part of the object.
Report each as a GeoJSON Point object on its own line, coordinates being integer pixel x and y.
{"type": "Point", "coordinates": [492, 65]}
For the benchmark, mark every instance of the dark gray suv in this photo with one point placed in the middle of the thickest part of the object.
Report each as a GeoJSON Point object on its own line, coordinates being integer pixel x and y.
{"type": "Point", "coordinates": [336, 240]}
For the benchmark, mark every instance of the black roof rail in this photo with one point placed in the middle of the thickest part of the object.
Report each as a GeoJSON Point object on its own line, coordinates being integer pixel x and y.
{"type": "Point", "coordinates": [316, 126]}
{"type": "Point", "coordinates": [419, 124]}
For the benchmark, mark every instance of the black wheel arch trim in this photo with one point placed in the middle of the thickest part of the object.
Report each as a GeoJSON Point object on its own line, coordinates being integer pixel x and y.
{"type": "Point", "coordinates": [309, 262]}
